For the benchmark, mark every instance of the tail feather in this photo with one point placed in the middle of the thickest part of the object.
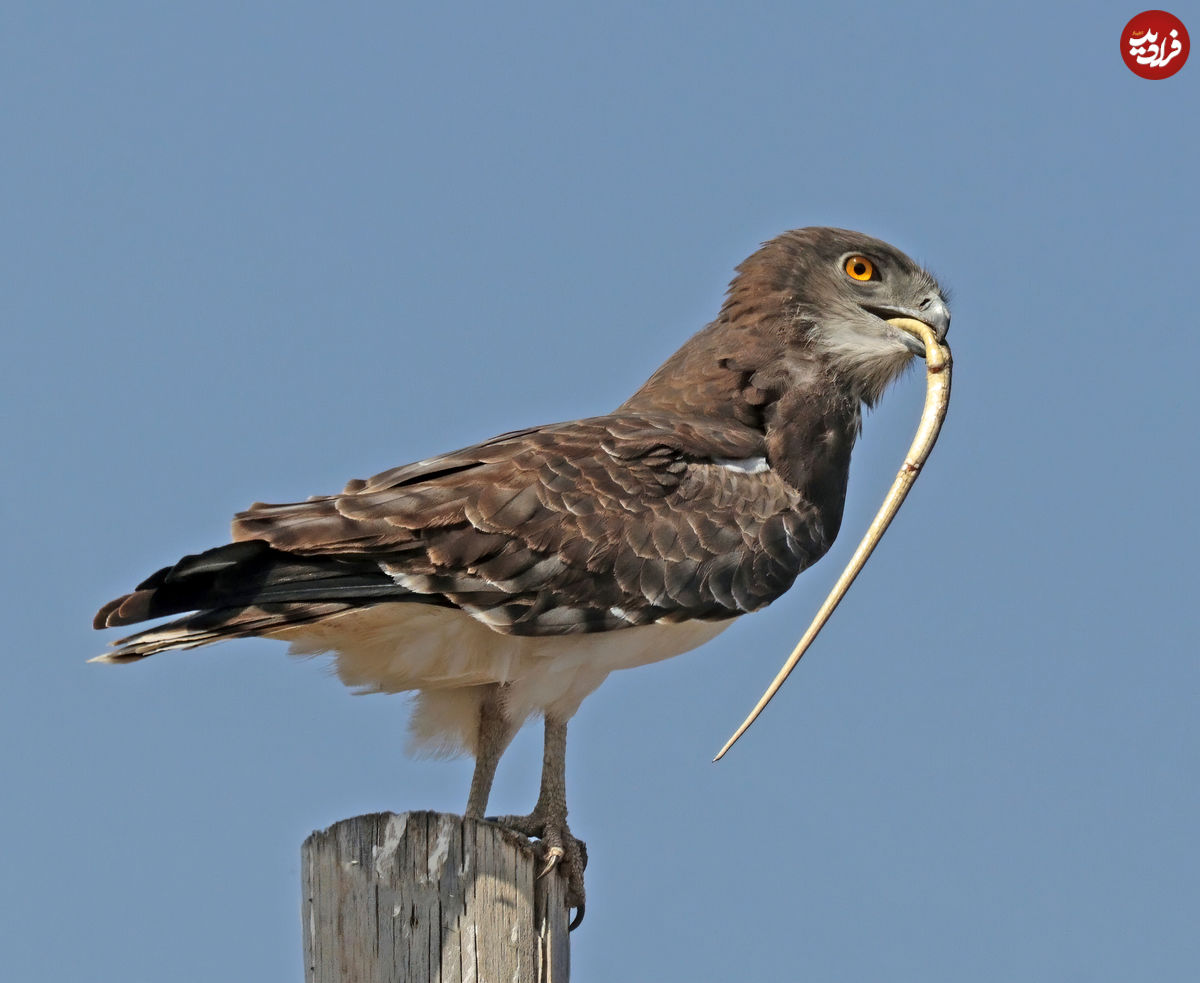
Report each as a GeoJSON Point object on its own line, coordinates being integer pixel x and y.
{"type": "Point", "coordinates": [216, 626]}
{"type": "Point", "coordinates": [244, 573]}
{"type": "Point", "coordinates": [244, 588]}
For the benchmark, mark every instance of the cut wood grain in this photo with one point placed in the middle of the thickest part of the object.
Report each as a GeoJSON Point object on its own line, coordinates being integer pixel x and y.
{"type": "Point", "coordinates": [424, 897]}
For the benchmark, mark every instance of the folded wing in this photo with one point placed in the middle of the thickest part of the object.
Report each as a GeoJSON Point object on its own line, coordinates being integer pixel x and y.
{"type": "Point", "coordinates": [593, 525]}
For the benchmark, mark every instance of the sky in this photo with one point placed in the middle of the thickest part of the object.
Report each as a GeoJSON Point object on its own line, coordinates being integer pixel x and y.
{"type": "Point", "coordinates": [253, 250]}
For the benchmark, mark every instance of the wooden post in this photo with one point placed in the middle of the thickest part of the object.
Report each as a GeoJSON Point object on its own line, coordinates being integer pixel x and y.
{"type": "Point", "coordinates": [424, 897]}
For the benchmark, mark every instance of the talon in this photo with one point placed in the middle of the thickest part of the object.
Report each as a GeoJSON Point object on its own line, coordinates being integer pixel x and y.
{"type": "Point", "coordinates": [553, 856]}
{"type": "Point", "coordinates": [558, 848]}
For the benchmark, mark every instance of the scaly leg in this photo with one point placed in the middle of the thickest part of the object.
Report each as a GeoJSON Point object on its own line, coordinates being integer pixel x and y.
{"type": "Point", "coordinates": [548, 821]}
{"type": "Point", "coordinates": [496, 732]}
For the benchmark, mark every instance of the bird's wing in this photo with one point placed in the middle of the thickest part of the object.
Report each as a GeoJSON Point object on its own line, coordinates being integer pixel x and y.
{"type": "Point", "coordinates": [585, 526]}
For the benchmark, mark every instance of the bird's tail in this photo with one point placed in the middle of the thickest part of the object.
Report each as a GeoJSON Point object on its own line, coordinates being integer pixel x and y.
{"type": "Point", "coordinates": [242, 589]}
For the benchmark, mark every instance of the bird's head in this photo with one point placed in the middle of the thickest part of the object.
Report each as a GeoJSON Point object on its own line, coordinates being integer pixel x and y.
{"type": "Point", "coordinates": [811, 307]}
{"type": "Point", "coordinates": [837, 291]}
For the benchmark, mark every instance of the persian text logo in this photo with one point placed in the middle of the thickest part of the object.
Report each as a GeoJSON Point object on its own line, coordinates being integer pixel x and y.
{"type": "Point", "coordinates": [1155, 44]}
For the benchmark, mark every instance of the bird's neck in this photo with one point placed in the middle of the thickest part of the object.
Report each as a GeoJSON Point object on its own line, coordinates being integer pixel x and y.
{"type": "Point", "coordinates": [763, 378]}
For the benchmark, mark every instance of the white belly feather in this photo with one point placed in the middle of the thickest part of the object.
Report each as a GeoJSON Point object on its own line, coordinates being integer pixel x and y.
{"type": "Point", "coordinates": [449, 657]}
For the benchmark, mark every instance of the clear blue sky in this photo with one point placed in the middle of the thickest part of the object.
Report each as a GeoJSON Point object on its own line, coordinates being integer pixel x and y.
{"type": "Point", "coordinates": [252, 250]}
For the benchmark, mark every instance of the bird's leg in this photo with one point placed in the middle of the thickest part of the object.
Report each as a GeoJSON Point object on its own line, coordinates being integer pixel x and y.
{"type": "Point", "coordinates": [496, 732]}
{"type": "Point", "coordinates": [548, 821]}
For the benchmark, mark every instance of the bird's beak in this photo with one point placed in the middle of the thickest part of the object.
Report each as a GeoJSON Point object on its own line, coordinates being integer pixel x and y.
{"type": "Point", "coordinates": [932, 312]}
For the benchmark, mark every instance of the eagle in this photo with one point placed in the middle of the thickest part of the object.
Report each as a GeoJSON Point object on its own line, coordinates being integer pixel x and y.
{"type": "Point", "coordinates": [506, 580]}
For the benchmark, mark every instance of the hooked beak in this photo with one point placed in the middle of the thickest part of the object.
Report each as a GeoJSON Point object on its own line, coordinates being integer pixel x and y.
{"type": "Point", "coordinates": [932, 312]}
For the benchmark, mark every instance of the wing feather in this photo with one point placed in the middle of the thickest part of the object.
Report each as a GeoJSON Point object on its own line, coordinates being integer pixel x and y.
{"type": "Point", "coordinates": [596, 524]}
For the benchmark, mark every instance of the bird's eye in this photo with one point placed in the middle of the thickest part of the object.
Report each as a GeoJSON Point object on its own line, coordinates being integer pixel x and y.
{"type": "Point", "coordinates": [860, 268]}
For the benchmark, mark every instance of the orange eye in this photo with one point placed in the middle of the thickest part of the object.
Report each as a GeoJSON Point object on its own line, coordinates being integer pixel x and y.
{"type": "Point", "coordinates": [860, 268]}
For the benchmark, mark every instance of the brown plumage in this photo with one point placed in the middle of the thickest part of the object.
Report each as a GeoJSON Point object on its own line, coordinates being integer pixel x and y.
{"type": "Point", "coordinates": [507, 579]}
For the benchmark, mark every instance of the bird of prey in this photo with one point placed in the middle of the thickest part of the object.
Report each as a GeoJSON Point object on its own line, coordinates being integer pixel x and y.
{"type": "Point", "coordinates": [507, 580]}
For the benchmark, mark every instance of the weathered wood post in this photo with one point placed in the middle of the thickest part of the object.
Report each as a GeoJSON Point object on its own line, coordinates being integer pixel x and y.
{"type": "Point", "coordinates": [424, 897]}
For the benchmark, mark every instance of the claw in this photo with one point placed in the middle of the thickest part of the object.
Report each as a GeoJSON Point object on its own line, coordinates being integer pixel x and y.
{"type": "Point", "coordinates": [553, 855]}
{"type": "Point", "coordinates": [558, 848]}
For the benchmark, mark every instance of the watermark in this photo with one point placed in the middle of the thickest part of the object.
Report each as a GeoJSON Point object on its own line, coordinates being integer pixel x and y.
{"type": "Point", "coordinates": [1155, 44]}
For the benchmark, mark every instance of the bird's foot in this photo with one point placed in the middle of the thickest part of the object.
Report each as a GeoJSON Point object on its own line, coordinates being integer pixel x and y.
{"type": "Point", "coordinates": [556, 846]}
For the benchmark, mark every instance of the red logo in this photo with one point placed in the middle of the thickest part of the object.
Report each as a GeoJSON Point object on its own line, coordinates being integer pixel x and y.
{"type": "Point", "coordinates": [1155, 44]}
